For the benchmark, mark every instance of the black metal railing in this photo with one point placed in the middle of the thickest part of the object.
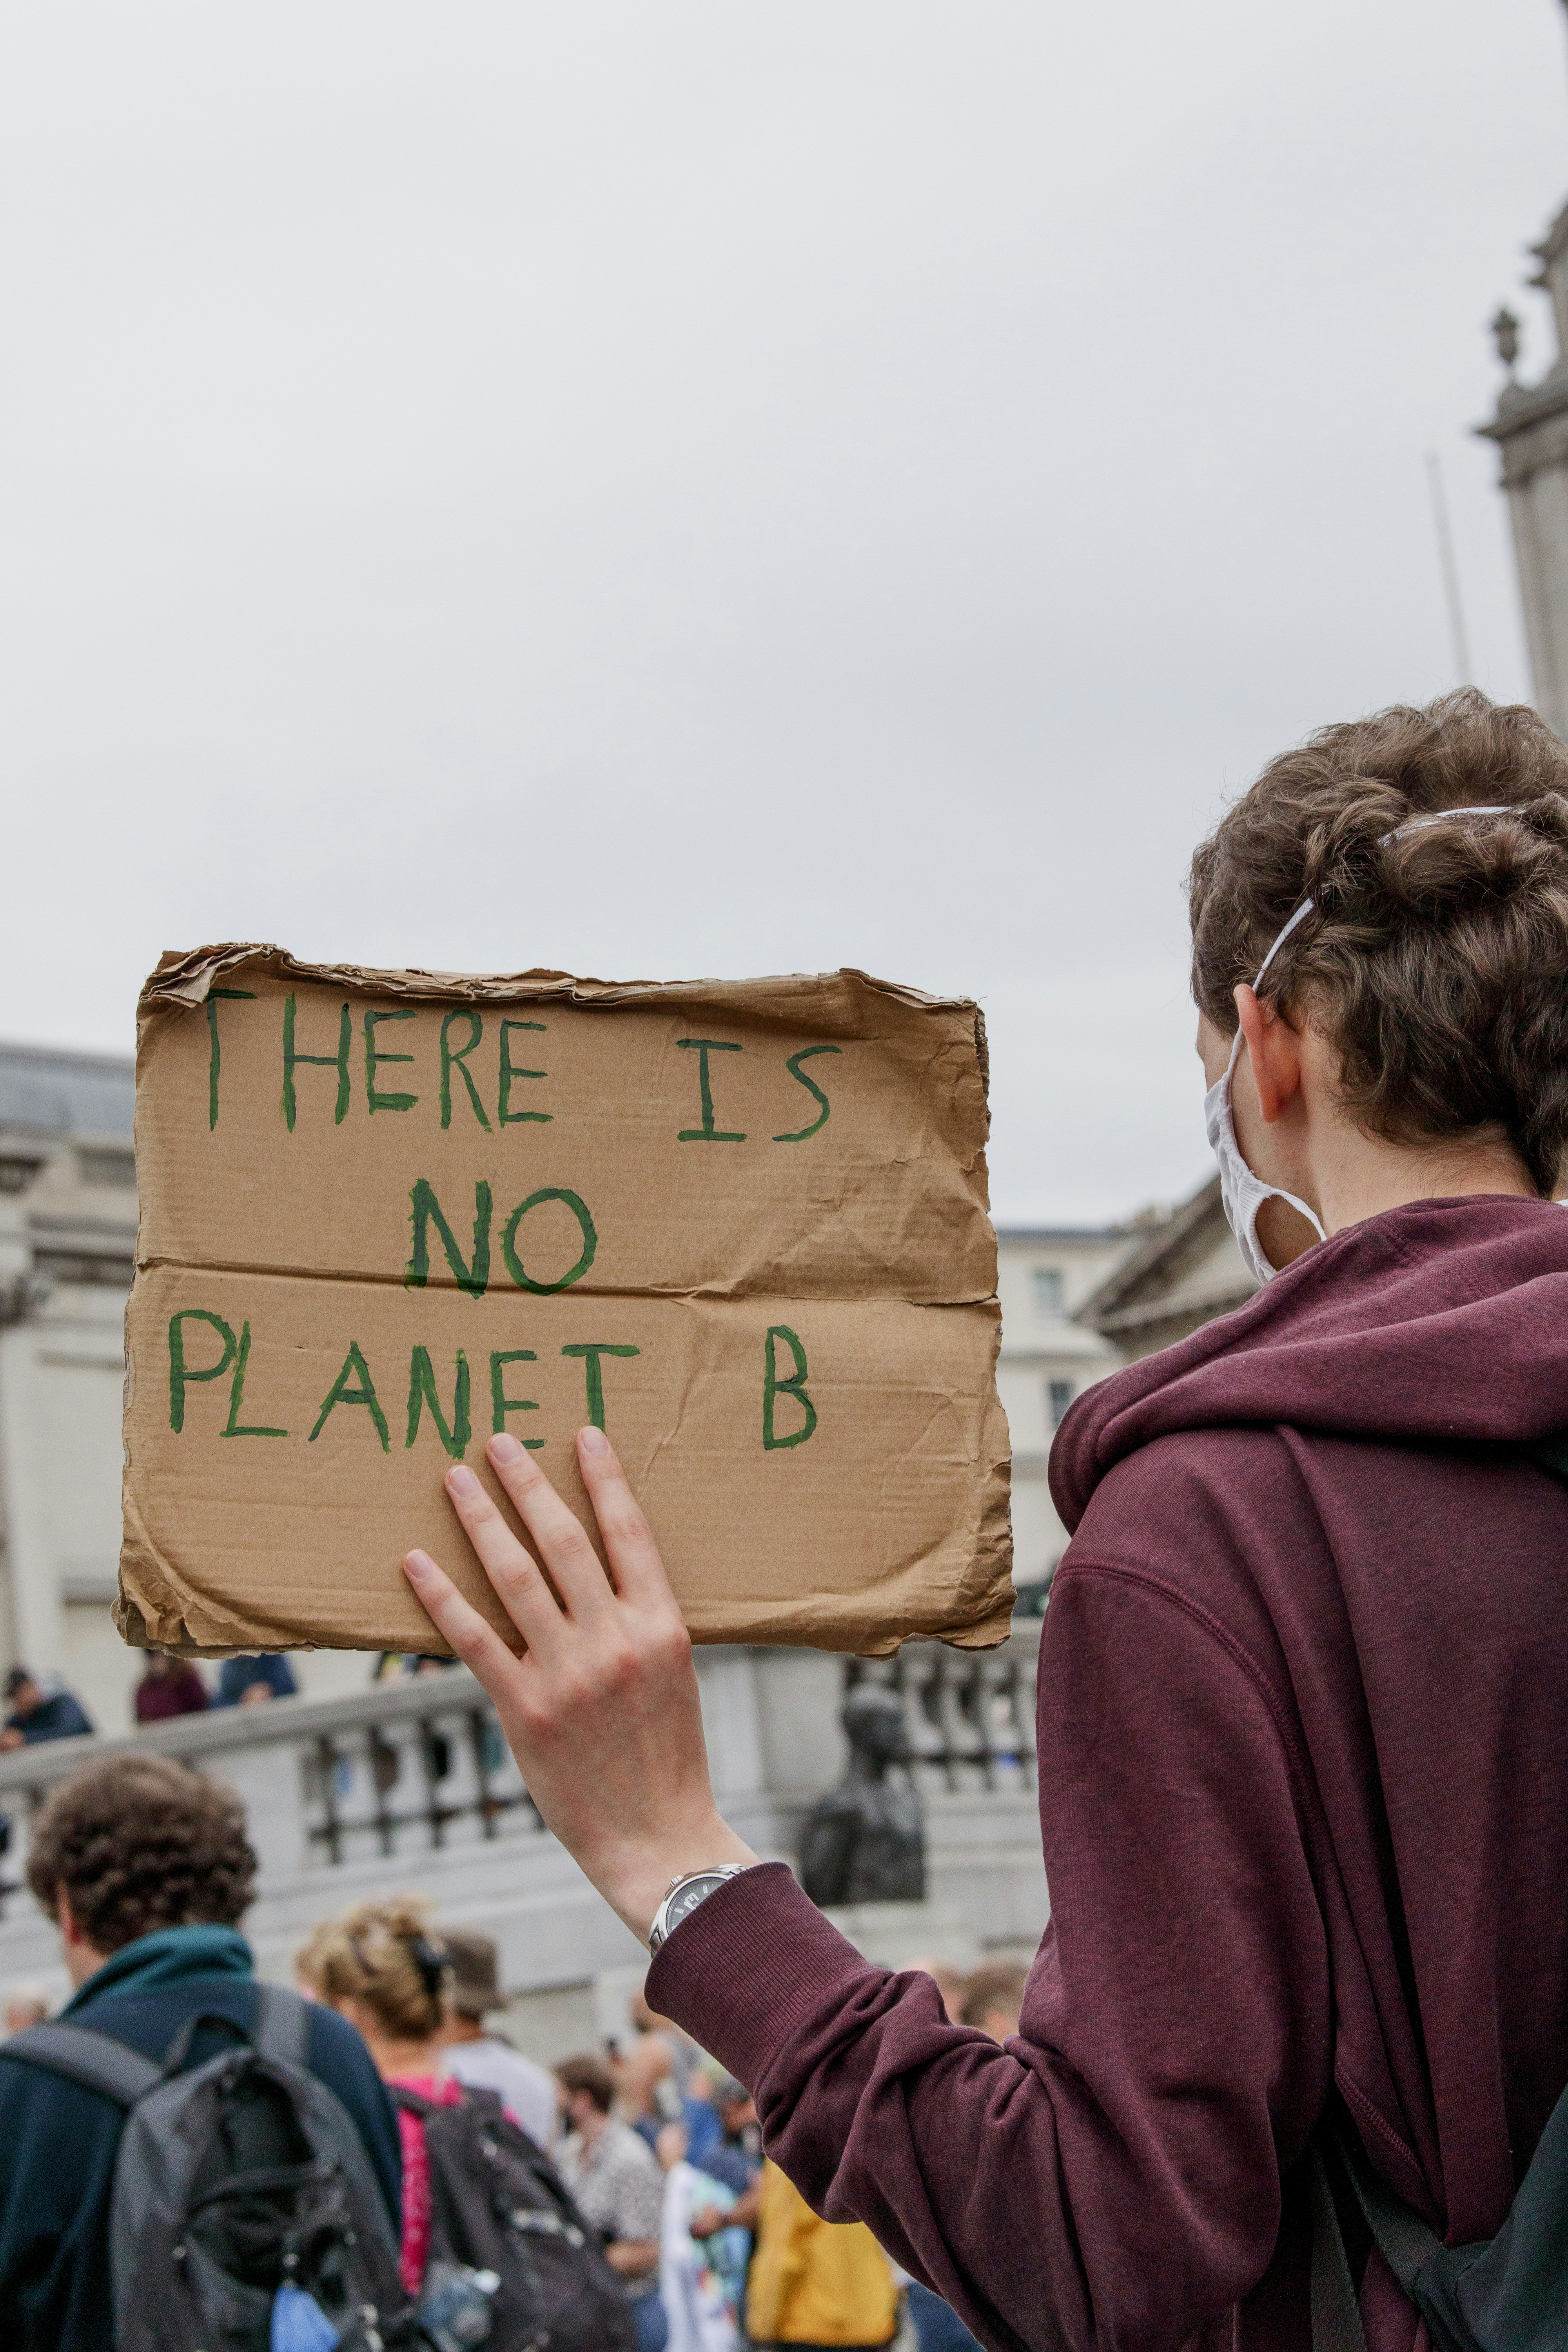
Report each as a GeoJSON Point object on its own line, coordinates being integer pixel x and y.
{"type": "Point", "coordinates": [422, 1764]}
{"type": "Point", "coordinates": [442, 1776]}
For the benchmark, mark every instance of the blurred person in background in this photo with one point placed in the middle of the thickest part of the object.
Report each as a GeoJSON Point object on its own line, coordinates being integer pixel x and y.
{"type": "Point", "coordinates": [700, 2277]}
{"type": "Point", "coordinates": [992, 1999]}
{"type": "Point", "coordinates": [736, 2158]}
{"type": "Point", "coordinates": [736, 2161]}
{"type": "Point", "coordinates": [652, 2028]}
{"type": "Point", "coordinates": [26, 2006]}
{"type": "Point", "coordinates": [487, 2061]}
{"type": "Point", "coordinates": [683, 2050]}
{"type": "Point", "coordinates": [493, 2250]}
{"type": "Point", "coordinates": [615, 2177]}
{"type": "Point", "coordinates": [169, 1687]}
{"type": "Point", "coordinates": [39, 1713]}
{"type": "Point", "coordinates": [645, 2085]}
{"type": "Point", "coordinates": [146, 1869]}
{"type": "Point", "coordinates": [950, 1982]}
{"type": "Point", "coordinates": [251, 1681]}
{"type": "Point", "coordinates": [938, 2327]}
{"type": "Point", "coordinates": [381, 1965]}
{"type": "Point", "coordinates": [660, 2080]}
{"type": "Point", "coordinates": [815, 2284]}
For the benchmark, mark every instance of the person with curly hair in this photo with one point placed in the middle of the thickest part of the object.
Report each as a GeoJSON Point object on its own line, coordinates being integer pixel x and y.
{"type": "Point", "coordinates": [146, 1870]}
{"type": "Point", "coordinates": [1303, 1680]}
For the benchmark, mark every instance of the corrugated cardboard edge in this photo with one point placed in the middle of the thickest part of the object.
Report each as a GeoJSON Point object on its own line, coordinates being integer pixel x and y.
{"type": "Point", "coordinates": [151, 1609]}
{"type": "Point", "coordinates": [183, 982]}
{"type": "Point", "coordinates": [151, 1612]}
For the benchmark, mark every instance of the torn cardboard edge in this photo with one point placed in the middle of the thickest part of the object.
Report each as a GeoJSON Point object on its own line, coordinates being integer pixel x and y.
{"type": "Point", "coordinates": [156, 1597]}
{"type": "Point", "coordinates": [183, 981]}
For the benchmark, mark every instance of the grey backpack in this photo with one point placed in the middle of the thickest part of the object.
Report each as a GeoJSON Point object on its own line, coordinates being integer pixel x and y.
{"type": "Point", "coordinates": [241, 2184]}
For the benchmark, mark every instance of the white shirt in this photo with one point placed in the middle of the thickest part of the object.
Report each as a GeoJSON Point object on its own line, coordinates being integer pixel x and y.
{"type": "Point", "coordinates": [524, 2089]}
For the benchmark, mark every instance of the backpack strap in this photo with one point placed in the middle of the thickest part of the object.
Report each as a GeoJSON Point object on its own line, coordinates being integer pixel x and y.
{"type": "Point", "coordinates": [83, 2055]}
{"type": "Point", "coordinates": [282, 2029]}
{"type": "Point", "coordinates": [1400, 2236]}
{"type": "Point", "coordinates": [1404, 2239]}
{"type": "Point", "coordinates": [1336, 2313]}
{"type": "Point", "coordinates": [1549, 1453]}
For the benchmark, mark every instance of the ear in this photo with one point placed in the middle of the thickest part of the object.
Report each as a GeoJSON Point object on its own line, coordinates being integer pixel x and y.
{"type": "Point", "coordinates": [1274, 1050]}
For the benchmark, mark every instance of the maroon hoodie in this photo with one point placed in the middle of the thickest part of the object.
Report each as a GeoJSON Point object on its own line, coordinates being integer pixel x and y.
{"type": "Point", "coordinates": [1303, 1727]}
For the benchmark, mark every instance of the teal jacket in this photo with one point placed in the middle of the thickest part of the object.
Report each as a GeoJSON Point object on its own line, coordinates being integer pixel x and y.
{"type": "Point", "coordinates": [58, 2142]}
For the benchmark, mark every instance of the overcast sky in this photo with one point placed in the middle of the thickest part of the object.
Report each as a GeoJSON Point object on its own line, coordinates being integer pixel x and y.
{"type": "Point", "coordinates": [668, 490]}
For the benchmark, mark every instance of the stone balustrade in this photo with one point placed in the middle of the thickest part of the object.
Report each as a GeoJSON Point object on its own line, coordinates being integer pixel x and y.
{"type": "Point", "coordinates": [410, 1784]}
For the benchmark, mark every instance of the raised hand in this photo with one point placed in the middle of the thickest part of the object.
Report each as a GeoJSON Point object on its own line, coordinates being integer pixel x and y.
{"type": "Point", "coordinates": [601, 1709]}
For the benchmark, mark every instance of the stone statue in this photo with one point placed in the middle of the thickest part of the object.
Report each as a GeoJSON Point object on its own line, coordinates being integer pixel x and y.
{"type": "Point", "coordinates": [1505, 333]}
{"type": "Point", "coordinates": [865, 1842]}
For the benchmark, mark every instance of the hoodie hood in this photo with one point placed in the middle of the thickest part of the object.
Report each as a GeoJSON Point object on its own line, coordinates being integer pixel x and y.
{"type": "Point", "coordinates": [1441, 1322]}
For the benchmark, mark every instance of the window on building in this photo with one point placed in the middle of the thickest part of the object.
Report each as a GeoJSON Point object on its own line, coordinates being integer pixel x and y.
{"type": "Point", "coordinates": [1061, 1393]}
{"type": "Point", "coordinates": [1048, 1290]}
{"type": "Point", "coordinates": [101, 1165]}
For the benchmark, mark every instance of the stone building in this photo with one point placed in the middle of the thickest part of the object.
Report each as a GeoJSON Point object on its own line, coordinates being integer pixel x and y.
{"type": "Point", "coordinates": [1184, 1269]}
{"type": "Point", "coordinates": [68, 1244]}
{"type": "Point", "coordinates": [1046, 1277]}
{"type": "Point", "coordinates": [1530, 429]}
{"type": "Point", "coordinates": [67, 1239]}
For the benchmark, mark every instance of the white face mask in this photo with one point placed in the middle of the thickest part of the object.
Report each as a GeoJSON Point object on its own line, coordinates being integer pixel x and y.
{"type": "Point", "coordinates": [1242, 1193]}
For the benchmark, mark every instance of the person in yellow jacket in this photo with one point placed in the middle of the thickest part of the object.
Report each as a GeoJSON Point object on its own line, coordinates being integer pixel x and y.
{"type": "Point", "coordinates": [814, 2284]}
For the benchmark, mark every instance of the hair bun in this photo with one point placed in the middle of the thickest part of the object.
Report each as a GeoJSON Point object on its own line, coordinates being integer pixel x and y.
{"type": "Point", "coordinates": [1433, 847]}
{"type": "Point", "coordinates": [1429, 868]}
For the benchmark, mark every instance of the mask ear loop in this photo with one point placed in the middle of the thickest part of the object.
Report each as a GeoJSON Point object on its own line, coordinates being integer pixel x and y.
{"type": "Point", "coordinates": [1301, 915]}
{"type": "Point", "coordinates": [1411, 825]}
{"type": "Point", "coordinates": [1270, 1192]}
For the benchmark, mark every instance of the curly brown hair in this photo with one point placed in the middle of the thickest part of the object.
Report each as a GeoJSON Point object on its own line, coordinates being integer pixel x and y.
{"type": "Point", "coordinates": [136, 1843]}
{"type": "Point", "coordinates": [1436, 959]}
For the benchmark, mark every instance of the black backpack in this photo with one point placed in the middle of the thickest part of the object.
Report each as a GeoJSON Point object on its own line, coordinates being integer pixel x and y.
{"type": "Point", "coordinates": [1509, 2294]}
{"type": "Point", "coordinates": [234, 2179]}
{"type": "Point", "coordinates": [499, 2209]}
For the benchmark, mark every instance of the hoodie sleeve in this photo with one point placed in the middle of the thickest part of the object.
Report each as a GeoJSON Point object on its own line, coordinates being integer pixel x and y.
{"type": "Point", "coordinates": [1112, 2174]}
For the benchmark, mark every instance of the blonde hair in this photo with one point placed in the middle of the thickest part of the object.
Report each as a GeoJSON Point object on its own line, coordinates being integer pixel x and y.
{"type": "Point", "coordinates": [385, 1954]}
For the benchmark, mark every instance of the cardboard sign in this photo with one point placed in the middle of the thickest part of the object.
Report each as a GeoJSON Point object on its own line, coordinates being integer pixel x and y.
{"type": "Point", "coordinates": [742, 1227]}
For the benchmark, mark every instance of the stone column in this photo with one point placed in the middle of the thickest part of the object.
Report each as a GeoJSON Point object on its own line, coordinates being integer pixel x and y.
{"type": "Point", "coordinates": [35, 1627]}
{"type": "Point", "coordinates": [1530, 429]}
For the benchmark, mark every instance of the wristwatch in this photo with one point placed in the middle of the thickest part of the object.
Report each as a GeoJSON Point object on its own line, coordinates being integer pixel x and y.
{"type": "Point", "coordinates": [692, 1888]}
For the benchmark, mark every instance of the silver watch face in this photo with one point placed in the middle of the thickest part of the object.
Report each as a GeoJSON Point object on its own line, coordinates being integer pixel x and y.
{"type": "Point", "coordinates": [684, 1901]}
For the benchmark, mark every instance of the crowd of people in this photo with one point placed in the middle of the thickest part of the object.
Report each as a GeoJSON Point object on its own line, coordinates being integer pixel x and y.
{"type": "Point", "coordinates": [646, 2148]}
{"type": "Point", "coordinates": [40, 1706]}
